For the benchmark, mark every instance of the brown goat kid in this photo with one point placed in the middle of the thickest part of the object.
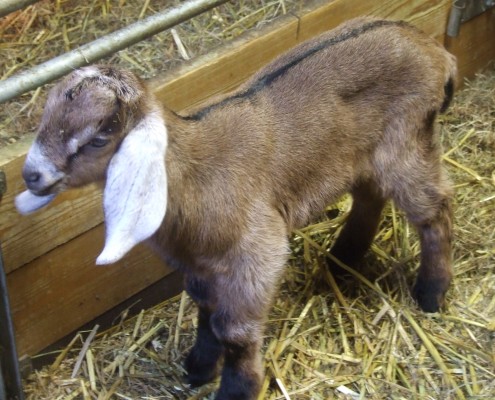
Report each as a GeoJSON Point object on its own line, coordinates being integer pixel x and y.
{"type": "Point", "coordinates": [216, 192]}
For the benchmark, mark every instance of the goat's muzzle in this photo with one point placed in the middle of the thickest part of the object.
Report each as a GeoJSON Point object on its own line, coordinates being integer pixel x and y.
{"type": "Point", "coordinates": [42, 182]}
{"type": "Point", "coordinates": [42, 179]}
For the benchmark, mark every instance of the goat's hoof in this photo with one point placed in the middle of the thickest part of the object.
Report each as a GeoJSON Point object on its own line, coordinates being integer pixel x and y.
{"type": "Point", "coordinates": [430, 293]}
{"type": "Point", "coordinates": [239, 390]}
{"type": "Point", "coordinates": [199, 371]}
{"type": "Point", "coordinates": [199, 379]}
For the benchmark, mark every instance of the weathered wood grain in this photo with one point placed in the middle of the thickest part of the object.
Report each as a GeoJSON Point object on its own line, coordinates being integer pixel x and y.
{"type": "Point", "coordinates": [475, 45]}
{"type": "Point", "coordinates": [63, 289]}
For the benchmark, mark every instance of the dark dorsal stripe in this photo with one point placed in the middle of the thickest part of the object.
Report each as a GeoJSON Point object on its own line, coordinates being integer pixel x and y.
{"type": "Point", "coordinates": [274, 75]}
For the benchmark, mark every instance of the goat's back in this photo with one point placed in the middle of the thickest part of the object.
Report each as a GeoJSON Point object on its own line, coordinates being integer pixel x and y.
{"type": "Point", "coordinates": [309, 123]}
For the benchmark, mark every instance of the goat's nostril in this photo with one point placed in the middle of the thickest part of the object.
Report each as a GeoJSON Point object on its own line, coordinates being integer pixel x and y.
{"type": "Point", "coordinates": [32, 177]}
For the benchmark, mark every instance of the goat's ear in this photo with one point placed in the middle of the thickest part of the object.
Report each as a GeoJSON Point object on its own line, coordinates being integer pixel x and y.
{"type": "Point", "coordinates": [135, 195]}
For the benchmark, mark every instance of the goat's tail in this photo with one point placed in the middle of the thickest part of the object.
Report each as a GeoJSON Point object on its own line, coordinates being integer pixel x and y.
{"type": "Point", "coordinates": [449, 94]}
{"type": "Point", "coordinates": [450, 82]}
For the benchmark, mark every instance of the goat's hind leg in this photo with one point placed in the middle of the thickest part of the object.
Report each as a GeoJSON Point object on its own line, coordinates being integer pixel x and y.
{"type": "Point", "coordinates": [435, 271]}
{"type": "Point", "coordinates": [430, 211]}
{"type": "Point", "coordinates": [360, 228]}
{"type": "Point", "coordinates": [424, 193]}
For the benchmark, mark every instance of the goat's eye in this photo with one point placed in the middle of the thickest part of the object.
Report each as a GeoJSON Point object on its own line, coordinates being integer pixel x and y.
{"type": "Point", "coordinates": [98, 142]}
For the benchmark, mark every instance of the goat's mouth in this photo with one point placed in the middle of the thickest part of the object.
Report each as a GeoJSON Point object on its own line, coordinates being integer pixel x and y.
{"type": "Point", "coordinates": [52, 189]}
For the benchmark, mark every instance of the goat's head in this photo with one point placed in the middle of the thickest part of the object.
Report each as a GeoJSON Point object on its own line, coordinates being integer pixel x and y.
{"type": "Point", "coordinates": [98, 125]}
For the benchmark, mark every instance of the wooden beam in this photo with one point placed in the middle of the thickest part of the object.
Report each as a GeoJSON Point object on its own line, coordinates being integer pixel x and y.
{"type": "Point", "coordinates": [50, 255]}
{"type": "Point", "coordinates": [63, 289]}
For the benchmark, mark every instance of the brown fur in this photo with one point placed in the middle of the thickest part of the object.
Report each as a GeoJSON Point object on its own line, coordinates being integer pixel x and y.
{"type": "Point", "coordinates": [350, 111]}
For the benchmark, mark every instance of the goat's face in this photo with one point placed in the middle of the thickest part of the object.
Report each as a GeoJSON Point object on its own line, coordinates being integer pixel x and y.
{"type": "Point", "coordinates": [83, 123]}
{"type": "Point", "coordinates": [97, 125]}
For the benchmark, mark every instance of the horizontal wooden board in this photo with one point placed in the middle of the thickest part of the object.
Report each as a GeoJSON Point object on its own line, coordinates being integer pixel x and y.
{"type": "Point", "coordinates": [63, 289]}
{"type": "Point", "coordinates": [54, 285]}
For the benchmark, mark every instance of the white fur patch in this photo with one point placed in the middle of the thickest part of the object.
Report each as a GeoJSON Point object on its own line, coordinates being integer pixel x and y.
{"type": "Point", "coordinates": [37, 157]}
{"type": "Point", "coordinates": [86, 72]}
{"type": "Point", "coordinates": [73, 146]}
{"type": "Point", "coordinates": [82, 138]}
{"type": "Point", "coordinates": [135, 195]}
{"type": "Point", "coordinates": [27, 202]}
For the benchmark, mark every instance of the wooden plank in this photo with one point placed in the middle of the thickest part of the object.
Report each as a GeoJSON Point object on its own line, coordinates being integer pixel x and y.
{"type": "Point", "coordinates": [165, 288]}
{"type": "Point", "coordinates": [63, 289]}
{"type": "Point", "coordinates": [475, 45]}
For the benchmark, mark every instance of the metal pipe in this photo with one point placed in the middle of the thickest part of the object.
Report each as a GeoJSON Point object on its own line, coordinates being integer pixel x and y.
{"type": "Point", "coordinates": [99, 48]}
{"type": "Point", "coordinates": [8, 6]}
{"type": "Point", "coordinates": [10, 372]}
{"type": "Point", "coordinates": [456, 12]}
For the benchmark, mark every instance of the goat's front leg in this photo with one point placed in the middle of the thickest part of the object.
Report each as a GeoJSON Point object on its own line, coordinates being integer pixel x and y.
{"type": "Point", "coordinates": [242, 370]}
{"type": "Point", "coordinates": [245, 293]}
{"type": "Point", "coordinates": [202, 361]}
{"type": "Point", "coordinates": [233, 330]}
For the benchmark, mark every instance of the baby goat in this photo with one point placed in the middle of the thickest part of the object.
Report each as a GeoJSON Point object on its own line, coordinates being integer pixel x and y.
{"type": "Point", "coordinates": [217, 191]}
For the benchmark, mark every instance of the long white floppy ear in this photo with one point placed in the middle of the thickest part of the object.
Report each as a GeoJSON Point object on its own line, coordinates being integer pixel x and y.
{"type": "Point", "coordinates": [135, 195]}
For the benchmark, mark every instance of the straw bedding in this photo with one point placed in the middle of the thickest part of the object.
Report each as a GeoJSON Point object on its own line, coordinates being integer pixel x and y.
{"type": "Point", "coordinates": [363, 339]}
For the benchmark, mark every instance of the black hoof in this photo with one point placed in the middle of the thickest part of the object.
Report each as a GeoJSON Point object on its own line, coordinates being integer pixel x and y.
{"type": "Point", "coordinates": [200, 368]}
{"type": "Point", "coordinates": [430, 294]}
{"type": "Point", "coordinates": [238, 389]}
{"type": "Point", "coordinates": [199, 379]}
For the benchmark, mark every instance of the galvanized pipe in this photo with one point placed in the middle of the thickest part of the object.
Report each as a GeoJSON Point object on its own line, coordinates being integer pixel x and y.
{"type": "Point", "coordinates": [8, 6]}
{"type": "Point", "coordinates": [455, 17]}
{"type": "Point", "coordinates": [102, 47]}
{"type": "Point", "coordinates": [10, 376]}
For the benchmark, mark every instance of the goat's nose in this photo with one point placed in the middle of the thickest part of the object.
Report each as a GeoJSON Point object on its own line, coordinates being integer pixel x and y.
{"type": "Point", "coordinates": [32, 177]}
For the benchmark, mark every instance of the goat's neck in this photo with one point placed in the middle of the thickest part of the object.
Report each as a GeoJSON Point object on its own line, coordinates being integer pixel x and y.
{"type": "Point", "coordinates": [190, 144]}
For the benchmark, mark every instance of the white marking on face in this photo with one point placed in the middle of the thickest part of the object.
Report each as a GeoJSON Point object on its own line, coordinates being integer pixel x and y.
{"type": "Point", "coordinates": [86, 72]}
{"type": "Point", "coordinates": [82, 138]}
{"type": "Point", "coordinates": [37, 160]}
{"type": "Point", "coordinates": [73, 146]}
